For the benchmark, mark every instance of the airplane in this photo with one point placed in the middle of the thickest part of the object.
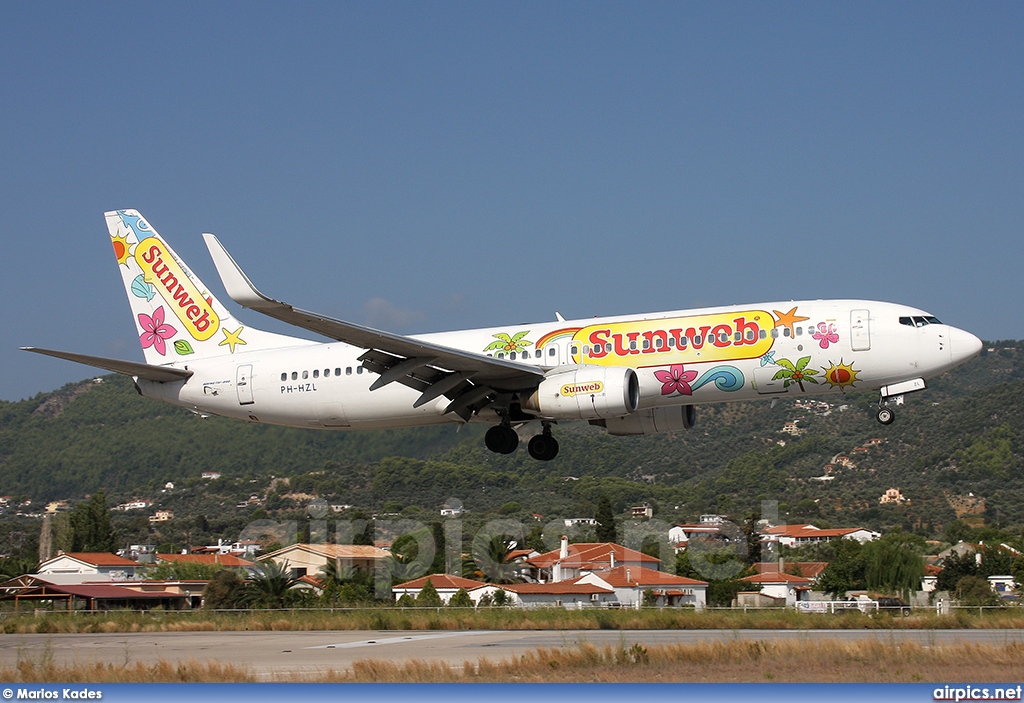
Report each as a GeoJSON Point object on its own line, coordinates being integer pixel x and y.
{"type": "Point", "coordinates": [630, 374]}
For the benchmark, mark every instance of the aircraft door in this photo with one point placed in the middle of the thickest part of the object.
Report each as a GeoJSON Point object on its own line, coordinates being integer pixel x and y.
{"type": "Point", "coordinates": [860, 330]}
{"type": "Point", "coordinates": [243, 384]}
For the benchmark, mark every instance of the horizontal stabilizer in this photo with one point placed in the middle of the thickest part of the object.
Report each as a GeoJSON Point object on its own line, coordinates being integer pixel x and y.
{"type": "Point", "coordinates": [128, 368]}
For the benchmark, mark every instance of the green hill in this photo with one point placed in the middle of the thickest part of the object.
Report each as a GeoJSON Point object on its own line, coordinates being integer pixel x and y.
{"type": "Point", "coordinates": [955, 447]}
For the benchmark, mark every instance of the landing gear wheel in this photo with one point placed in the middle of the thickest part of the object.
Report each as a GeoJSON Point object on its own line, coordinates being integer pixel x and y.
{"type": "Point", "coordinates": [543, 447]}
{"type": "Point", "coordinates": [885, 416]}
{"type": "Point", "coordinates": [501, 439]}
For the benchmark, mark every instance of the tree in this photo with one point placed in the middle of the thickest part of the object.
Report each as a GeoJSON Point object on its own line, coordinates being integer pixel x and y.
{"type": "Point", "coordinates": [270, 585]}
{"type": "Point", "coordinates": [975, 590]}
{"type": "Point", "coordinates": [428, 596]}
{"type": "Point", "coordinates": [893, 564]}
{"type": "Point", "coordinates": [954, 568]}
{"type": "Point", "coordinates": [182, 570]}
{"type": "Point", "coordinates": [90, 526]}
{"type": "Point", "coordinates": [605, 518]}
{"type": "Point", "coordinates": [845, 570]}
{"type": "Point", "coordinates": [461, 599]}
{"type": "Point", "coordinates": [224, 591]}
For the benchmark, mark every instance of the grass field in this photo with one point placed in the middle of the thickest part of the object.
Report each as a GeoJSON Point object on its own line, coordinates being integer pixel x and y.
{"type": "Point", "coordinates": [750, 661]}
{"type": "Point", "coordinates": [496, 619]}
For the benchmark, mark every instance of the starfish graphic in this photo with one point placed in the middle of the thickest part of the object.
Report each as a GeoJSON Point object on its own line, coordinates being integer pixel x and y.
{"type": "Point", "coordinates": [232, 338]}
{"type": "Point", "coordinates": [788, 319]}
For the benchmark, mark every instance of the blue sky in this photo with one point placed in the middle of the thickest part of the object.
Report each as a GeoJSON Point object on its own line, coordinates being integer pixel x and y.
{"type": "Point", "coordinates": [430, 166]}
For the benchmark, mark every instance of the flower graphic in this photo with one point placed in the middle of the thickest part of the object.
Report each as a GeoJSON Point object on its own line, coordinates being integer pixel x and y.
{"type": "Point", "coordinates": [509, 344]}
{"type": "Point", "coordinates": [675, 380]}
{"type": "Point", "coordinates": [826, 335]}
{"type": "Point", "coordinates": [155, 332]}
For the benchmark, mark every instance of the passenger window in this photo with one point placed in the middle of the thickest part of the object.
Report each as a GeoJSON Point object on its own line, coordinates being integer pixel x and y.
{"type": "Point", "coordinates": [359, 369]}
{"type": "Point", "coordinates": [337, 371]}
{"type": "Point", "coordinates": [295, 375]}
{"type": "Point", "coordinates": [551, 351]}
{"type": "Point", "coordinates": [751, 335]}
{"type": "Point", "coordinates": [284, 376]}
{"type": "Point", "coordinates": [512, 356]}
{"type": "Point", "coordinates": [737, 337]}
{"type": "Point", "coordinates": [799, 331]}
{"type": "Point", "coordinates": [632, 345]}
{"type": "Point", "coordinates": [785, 331]}
{"type": "Point", "coordinates": [348, 371]}
{"type": "Point", "coordinates": [305, 375]}
{"type": "Point", "coordinates": [574, 349]}
{"type": "Point", "coordinates": [671, 342]}
{"type": "Point", "coordinates": [775, 332]}
{"type": "Point", "coordinates": [697, 339]}
{"type": "Point", "coordinates": [316, 373]}
{"type": "Point", "coordinates": [327, 372]}
{"type": "Point", "coordinates": [762, 334]}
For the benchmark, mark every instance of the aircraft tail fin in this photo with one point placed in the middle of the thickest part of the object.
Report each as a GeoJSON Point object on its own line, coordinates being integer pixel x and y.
{"type": "Point", "coordinates": [177, 317]}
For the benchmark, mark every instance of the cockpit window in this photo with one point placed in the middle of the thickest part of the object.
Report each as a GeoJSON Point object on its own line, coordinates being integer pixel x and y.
{"type": "Point", "coordinates": [919, 321]}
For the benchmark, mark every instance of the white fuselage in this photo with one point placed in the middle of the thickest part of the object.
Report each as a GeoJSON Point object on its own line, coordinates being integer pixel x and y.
{"type": "Point", "coordinates": [682, 357]}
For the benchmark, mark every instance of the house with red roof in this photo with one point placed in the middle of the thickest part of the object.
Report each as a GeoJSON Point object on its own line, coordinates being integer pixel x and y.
{"type": "Point", "coordinates": [780, 588]}
{"type": "Point", "coordinates": [308, 559]}
{"type": "Point", "coordinates": [630, 583]}
{"type": "Point", "coordinates": [228, 561]}
{"type": "Point", "coordinates": [804, 534]}
{"type": "Point", "coordinates": [572, 595]}
{"type": "Point", "coordinates": [96, 566]}
{"type": "Point", "coordinates": [808, 569]}
{"type": "Point", "coordinates": [447, 585]}
{"type": "Point", "coordinates": [570, 561]}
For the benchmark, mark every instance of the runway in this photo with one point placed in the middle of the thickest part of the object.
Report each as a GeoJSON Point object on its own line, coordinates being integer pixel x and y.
{"type": "Point", "coordinates": [273, 654]}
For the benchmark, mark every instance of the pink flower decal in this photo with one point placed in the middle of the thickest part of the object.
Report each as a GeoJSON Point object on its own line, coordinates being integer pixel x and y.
{"type": "Point", "coordinates": [675, 380]}
{"type": "Point", "coordinates": [826, 335]}
{"type": "Point", "coordinates": [155, 332]}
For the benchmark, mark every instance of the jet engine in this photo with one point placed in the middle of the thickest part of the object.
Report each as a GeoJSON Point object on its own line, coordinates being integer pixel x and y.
{"type": "Point", "coordinates": [586, 393]}
{"type": "Point", "coordinates": [651, 421]}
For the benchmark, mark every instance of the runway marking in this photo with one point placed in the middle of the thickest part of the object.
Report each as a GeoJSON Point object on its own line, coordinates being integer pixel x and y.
{"type": "Point", "coordinates": [397, 640]}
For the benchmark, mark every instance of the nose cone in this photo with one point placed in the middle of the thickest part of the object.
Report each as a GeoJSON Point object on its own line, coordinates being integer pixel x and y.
{"type": "Point", "coordinates": [963, 345]}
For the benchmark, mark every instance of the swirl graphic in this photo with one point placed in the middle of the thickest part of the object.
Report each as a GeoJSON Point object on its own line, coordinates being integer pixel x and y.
{"type": "Point", "coordinates": [725, 378]}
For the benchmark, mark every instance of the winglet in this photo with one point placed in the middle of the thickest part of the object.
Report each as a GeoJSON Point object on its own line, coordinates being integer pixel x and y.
{"type": "Point", "coordinates": [236, 283]}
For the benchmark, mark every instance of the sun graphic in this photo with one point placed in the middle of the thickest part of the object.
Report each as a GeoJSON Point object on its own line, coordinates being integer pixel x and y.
{"type": "Point", "coordinates": [121, 249]}
{"type": "Point", "coordinates": [841, 375]}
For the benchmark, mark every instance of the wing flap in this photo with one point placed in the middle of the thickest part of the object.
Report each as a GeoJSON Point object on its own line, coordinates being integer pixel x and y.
{"type": "Point", "coordinates": [499, 374]}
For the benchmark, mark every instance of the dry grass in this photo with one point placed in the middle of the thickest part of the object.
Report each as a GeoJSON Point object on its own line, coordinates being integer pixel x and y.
{"type": "Point", "coordinates": [746, 661]}
{"type": "Point", "coordinates": [497, 619]}
{"type": "Point", "coordinates": [754, 661]}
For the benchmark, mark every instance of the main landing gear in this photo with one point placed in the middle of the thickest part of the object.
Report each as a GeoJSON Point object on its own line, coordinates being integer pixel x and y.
{"type": "Point", "coordinates": [502, 439]}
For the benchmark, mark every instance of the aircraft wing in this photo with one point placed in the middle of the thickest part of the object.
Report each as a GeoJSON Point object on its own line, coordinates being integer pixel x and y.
{"type": "Point", "coordinates": [469, 380]}
{"type": "Point", "coordinates": [128, 368]}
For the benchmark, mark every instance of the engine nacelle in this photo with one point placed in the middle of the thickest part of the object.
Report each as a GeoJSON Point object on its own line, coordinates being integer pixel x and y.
{"type": "Point", "coordinates": [586, 393]}
{"type": "Point", "coordinates": [653, 421]}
